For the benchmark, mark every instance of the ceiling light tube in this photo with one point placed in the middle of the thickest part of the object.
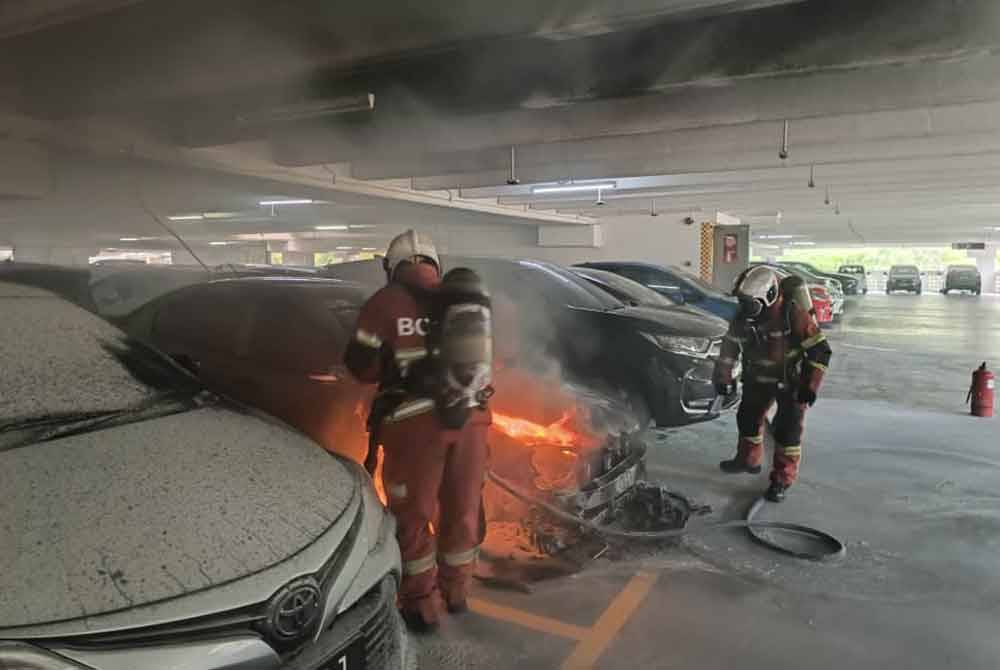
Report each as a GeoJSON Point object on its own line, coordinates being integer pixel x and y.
{"type": "Point", "coordinates": [344, 248]}
{"type": "Point", "coordinates": [186, 217]}
{"type": "Point", "coordinates": [288, 201]}
{"type": "Point", "coordinates": [340, 227]}
{"type": "Point", "coordinates": [571, 188]}
{"type": "Point", "coordinates": [218, 244]}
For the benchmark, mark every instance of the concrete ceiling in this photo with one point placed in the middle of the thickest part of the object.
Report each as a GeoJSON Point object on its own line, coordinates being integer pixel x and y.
{"type": "Point", "coordinates": [892, 106]}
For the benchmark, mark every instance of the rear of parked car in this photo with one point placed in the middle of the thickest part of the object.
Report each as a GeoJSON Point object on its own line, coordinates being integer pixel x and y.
{"type": "Point", "coordinates": [858, 273]}
{"type": "Point", "coordinates": [904, 278]}
{"type": "Point", "coordinates": [963, 278]}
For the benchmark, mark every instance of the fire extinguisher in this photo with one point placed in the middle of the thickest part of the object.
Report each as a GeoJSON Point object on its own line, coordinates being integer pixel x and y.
{"type": "Point", "coordinates": [981, 392]}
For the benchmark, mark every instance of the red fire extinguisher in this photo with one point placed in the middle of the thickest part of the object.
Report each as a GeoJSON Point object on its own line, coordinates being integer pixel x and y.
{"type": "Point", "coordinates": [981, 391]}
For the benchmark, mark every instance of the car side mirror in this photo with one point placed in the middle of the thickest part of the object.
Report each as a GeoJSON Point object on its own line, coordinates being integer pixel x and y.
{"type": "Point", "coordinates": [677, 297]}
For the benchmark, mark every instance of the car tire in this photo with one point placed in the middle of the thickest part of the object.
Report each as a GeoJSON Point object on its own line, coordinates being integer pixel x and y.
{"type": "Point", "coordinates": [944, 291]}
{"type": "Point", "coordinates": [918, 291]}
{"type": "Point", "coordinates": [979, 291]}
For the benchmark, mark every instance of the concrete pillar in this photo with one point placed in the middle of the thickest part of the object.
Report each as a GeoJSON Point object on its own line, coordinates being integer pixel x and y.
{"type": "Point", "coordinates": [987, 264]}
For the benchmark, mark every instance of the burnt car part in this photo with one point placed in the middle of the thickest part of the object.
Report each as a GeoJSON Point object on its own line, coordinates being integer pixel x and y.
{"type": "Point", "coordinates": [827, 546]}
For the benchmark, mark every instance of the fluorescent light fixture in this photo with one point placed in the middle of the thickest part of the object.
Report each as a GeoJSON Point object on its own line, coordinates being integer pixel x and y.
{"type": "Point", "coordinates": [368, 248]}
{"type": "Point", "coordinates": [803, 244]}
{"type": "Point", "coordinates": [361, 226]}
{"type": "Point", "coordinates": [290, 201]}
{"type": "Point", "coordinates": [776, 237]}
{"type": "Point", "coordinates": [186, 217]}
{"type": "Point", "coordinates": [128, 239]}
{"type": "Point", "coordinates": [339, 227]}
{"type": "Point", "coordinates": [344, 248]}
{"type": "Point", "coordinates": [571, 188]}
{"type": "Point", "coordinates": [220, 215]}
{"type": "Point", "coordinates": [218, 244]}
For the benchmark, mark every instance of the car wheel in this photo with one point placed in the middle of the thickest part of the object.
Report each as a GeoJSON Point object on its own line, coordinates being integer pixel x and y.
{"type": "Point", "coordinates": [944, 291]}
{"type": "Point", "coordinates": [979, 291]}
{"type": "Point", "coordinates": [918, 291]}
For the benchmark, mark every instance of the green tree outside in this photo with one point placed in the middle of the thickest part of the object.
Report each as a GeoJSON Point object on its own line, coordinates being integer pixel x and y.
{"type": "Point", "coordinates": [875, 258]}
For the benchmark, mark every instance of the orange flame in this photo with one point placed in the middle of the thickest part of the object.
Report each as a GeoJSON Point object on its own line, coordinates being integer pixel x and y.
{"type": "Point", "coordinates": [531, 433]}
{"type": "Point", "coordinates": [377, 477]}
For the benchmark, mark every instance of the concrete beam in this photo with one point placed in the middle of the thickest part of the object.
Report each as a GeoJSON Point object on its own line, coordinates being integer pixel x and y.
{"type": "Point", "coordinates": [817, 92]}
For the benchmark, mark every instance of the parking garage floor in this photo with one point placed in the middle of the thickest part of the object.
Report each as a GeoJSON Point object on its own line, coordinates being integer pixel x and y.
{"type": "Point", "coordinates": [893, 465]}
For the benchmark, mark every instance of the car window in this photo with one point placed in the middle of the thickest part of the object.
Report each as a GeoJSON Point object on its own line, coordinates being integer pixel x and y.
{"type": "Point", "coordinates": [294, 329]}
{"type": "Point", "coordinates": [904, 270]}
{"type": "Point", "coordinates": [851, 269]}
{"type": "Point", "coordinates": [566, 288]}
{"type": "Point", "coordinates": [209, 318]}
{"type": "Point", "coordinates": [625, 289]}
{"type": "Point", "coordinates": [698, 282]}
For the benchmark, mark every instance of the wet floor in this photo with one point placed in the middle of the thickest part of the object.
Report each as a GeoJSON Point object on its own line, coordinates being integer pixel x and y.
{"type": "Point", "coordinates": [892, 465]}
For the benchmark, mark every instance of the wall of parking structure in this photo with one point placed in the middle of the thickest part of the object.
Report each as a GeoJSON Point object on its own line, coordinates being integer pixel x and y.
{"type": "Point", "coordinates": [664, 239]}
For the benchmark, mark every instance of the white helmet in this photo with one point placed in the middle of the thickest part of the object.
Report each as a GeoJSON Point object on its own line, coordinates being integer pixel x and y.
{"type": "Point", "coordinates": [409, 247]}
{"type": "Point", "coordinates": [757, 290]}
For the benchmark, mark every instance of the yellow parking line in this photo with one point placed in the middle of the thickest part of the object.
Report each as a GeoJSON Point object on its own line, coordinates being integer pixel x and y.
{"type": "Point", "coordinates": [527, 619]}
{"type": "Point", "coordinates": [611, 622]}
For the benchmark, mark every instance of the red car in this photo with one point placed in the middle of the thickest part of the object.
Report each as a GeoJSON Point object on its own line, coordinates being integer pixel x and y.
{"type": "Point", "coordinates": [822, 304]}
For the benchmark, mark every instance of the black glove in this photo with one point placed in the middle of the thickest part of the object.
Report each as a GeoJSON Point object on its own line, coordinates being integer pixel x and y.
{"type": "Point", "coordinates": [724, 388]}
{"type": "Point", "coordinates": [807, 396]}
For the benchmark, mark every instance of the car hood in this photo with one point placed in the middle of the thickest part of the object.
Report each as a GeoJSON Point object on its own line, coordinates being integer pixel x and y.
{"type": "Point", "coordinates": [680, 321]}
{"type": "Point", "coordinates": [149, 511]}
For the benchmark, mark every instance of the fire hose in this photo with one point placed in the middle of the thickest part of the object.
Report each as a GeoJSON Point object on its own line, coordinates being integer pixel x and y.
{"type": "Point", "coordinates": [831, 547]}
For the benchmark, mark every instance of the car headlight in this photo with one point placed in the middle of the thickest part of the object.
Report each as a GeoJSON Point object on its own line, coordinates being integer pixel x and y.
{"type": "Point", "coordinates": [26, 657]}
{"type": "Point", "coordinates": [689, 346]}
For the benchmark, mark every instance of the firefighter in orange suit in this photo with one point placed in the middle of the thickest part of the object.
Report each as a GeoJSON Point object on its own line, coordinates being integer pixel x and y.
{"type": "Point", "coordinates": [430, 471]}
{"type": "Point", "coordinates": [784, 358]}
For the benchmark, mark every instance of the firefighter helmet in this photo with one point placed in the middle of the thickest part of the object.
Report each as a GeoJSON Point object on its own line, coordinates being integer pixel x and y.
{"type": "Point", "coordinates": [757, 290]}
{"type": "Point", "coordinates": [409, 247]}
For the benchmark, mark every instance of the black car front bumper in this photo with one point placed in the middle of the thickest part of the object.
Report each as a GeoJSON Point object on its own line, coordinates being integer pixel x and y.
{"type": "Point", "coordinates": [681, 390]}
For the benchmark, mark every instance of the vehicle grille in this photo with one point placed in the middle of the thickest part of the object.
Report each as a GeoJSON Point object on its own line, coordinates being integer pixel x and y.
{"type": "Point", "coordinates": [373, 619]}
{"type": "Point", "coordinates": [380, 630]}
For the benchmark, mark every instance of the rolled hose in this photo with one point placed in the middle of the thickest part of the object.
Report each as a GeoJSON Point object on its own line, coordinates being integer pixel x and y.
{"type": "Point", "coordinates": [832, 547]}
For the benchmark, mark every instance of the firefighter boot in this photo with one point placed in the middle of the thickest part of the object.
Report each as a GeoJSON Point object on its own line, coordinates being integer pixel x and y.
{"type": "Point", "coordinates": [747, 459]}
{"type": "Point", "coordinates": [421, 615]}
{"type": "Point", "coordinates": [454, 584]}
{"type": "Point", "coordinates": [776, 492]}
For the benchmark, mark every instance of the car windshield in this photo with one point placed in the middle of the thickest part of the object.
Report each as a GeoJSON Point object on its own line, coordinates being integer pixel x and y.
{"type": "Point", "coordinates": [572, 290]}
{"type": "Point", "coordinates": [904, 270]}
{"type": "Point", "coordinates": [71, 366]}
{"type": "Point", "coordinates": [963, 268]}
{"type": "Point", "coordinates": [622, 287]}
{"type": "Point", "coordinates": [852, 269]}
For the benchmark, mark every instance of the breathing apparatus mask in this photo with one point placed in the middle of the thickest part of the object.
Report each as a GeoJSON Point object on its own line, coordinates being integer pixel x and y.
{"type": "Point", "coordinates": [757, 290]}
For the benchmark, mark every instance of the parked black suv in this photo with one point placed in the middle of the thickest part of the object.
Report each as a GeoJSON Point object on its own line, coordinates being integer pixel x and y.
{"type": "Point", "coordinates": [963, 278]}
{"type": "Point", "coordinates": [662, 358]}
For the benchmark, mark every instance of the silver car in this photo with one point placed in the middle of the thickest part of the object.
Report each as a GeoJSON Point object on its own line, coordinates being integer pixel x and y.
{"type": "Point", "coordinates": [146, 523]}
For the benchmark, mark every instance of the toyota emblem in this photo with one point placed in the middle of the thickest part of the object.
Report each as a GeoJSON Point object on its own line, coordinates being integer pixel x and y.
{"type": "Point", "coordinates": [295, 610]}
